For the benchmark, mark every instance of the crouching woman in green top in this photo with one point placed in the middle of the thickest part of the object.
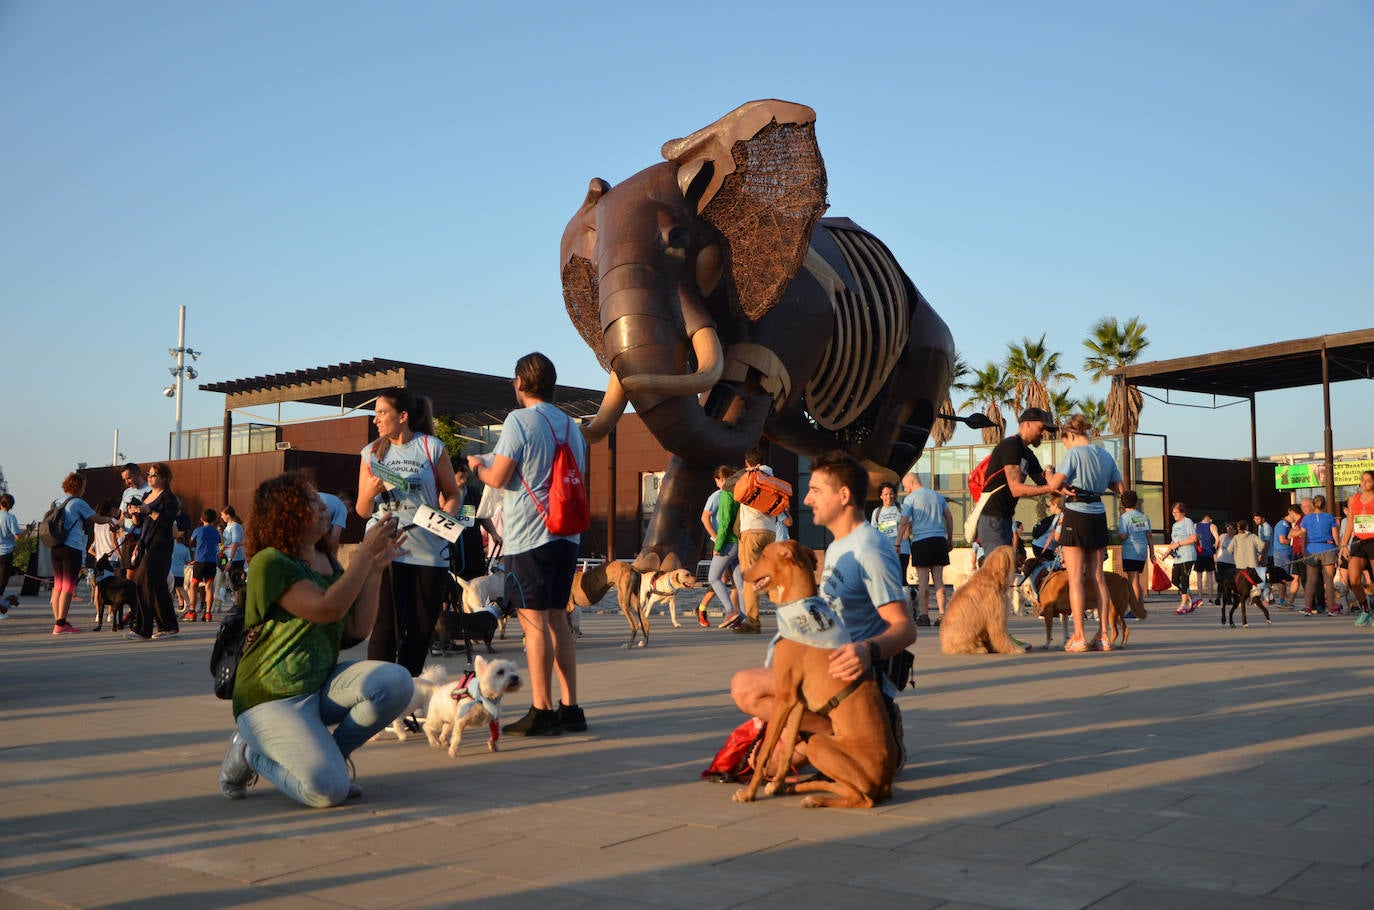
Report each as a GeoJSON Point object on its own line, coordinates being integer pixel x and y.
{"type": "Point", "coordinates": [302, 607]}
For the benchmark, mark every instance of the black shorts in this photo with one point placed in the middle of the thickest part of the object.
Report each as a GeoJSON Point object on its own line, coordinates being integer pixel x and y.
{"type": "Point", "coordinates": [541, 579]}
{"type": "Point", "coordinates": [178, 579]}
{"type": "Point", "coordinates": [930, 552]}
{"type": "Point", "coordinates": [1132, 566]}
{"type": "Point", "coordinates": [204, 571]}
{"type": "Point", "coordinates": [1205, 563]}
{"type": "Point", "coordinates": [1182, 572]}
{"type": "Point", "coordinates": [1085, 530]}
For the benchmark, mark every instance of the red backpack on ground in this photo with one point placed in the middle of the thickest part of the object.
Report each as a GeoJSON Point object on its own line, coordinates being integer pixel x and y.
{"type": "Point", "coordinates": [568, 511]}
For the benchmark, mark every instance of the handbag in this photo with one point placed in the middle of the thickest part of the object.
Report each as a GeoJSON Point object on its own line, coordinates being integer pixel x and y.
{"type": "Point", "coordinates": [224, 656]}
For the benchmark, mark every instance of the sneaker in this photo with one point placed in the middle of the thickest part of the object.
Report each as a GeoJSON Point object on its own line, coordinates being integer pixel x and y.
{"type": "Point", "coordinates": [702, 620]}
{"type": "Point", "coordinates": [1197, 602]}
{"type": "Point", "coordinates": [1099, 644]}
{"type": "Point", "coordinates": [1075, 646]}
{"type": "Point", "coordinates": [205, 618]}
{"type": "Point", "coordinates": [64, 628]}
{"type": "Point", "coordinates": [923, 619]}
{"type": "Point", "coordinates": [1309, 612]}
{"type": "Point", "coordinates": [571, 718]}
{"type": "Point", "coordinates": [134, 636]}
{"type": "Point", "coordinates": [536, 722]}
{"type": "Point", "coordinates": [165, 633]}
{"type": "Point", "coordinates": [730, 621]}
{"type": "Point", "coordinates": [236, 775]}
{"type": "Point", "coordinates": [188, 616]}
{"type": "Point", "coordinates": [1335, 612]}
{"type": "Point", "coordinates": [747, 627]}
{"type": "Point", "coordinates": [1182, 608]}
{"type": "Point", "coordinates": [1365, 620]}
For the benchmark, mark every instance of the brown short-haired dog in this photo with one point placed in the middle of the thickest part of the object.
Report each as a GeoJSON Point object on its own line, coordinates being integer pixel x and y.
{"type": "Point", "coordinates": [590, 586]}
{"type": "Point", "coordinates": [859, 756]}
{"type": "Point", "coordinates": [976, 619]}
{"type": "Point", "coordinates": [1053, 600]}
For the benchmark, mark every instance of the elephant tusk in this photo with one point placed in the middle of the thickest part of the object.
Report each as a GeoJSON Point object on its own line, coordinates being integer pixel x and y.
{"type": "Point", "coordinates": [710, 363]}
{"type": "Point", "coordinates": [608, 415]}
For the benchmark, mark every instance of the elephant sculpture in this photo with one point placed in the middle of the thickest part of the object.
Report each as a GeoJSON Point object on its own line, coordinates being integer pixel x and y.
{"type": "Point", "coordinates": [726, 309]}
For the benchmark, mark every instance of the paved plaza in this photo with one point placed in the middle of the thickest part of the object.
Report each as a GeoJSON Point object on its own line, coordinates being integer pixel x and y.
{"type": "Point", "coordinates": [1202, 767]}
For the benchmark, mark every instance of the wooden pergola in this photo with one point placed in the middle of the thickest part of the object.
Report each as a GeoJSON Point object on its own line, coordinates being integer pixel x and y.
{"type": "Point", "coordinates": [1244, 372]}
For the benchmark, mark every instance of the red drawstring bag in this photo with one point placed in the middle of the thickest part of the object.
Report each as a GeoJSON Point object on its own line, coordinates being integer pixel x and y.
{"type": "Point", "coordinates": [731, 763]}
{"type": "Point", "coordinates": [1159, 579]}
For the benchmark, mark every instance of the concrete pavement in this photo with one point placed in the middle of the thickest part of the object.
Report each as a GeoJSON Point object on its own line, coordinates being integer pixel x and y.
{"type": "Point", "coordinates": [1202, 767]}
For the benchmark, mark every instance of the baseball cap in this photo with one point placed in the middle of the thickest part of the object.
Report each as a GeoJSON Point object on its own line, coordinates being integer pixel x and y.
{"type": "Point", "coordinates": [1040, 415]}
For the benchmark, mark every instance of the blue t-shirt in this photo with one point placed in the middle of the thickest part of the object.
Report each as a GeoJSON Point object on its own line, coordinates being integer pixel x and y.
{"type": "Point", "coordinates": [1184, 528]}
{"type": "Point", "coordinates": [862, 573]}
{"type": "Point", "coordinates": [180, 557]}
{"type": "Point", "coordinates": [712, 506]}
{"type": "Point", "coordinates": [206, 539]}
{"type": "Point", "coordinates": [1283, 552]}
{"type": "Point", "coordinates": [9, 532]}
{"type": "Point", "coordinates": [925, 509]}
{"type": "Point", "coordinates": [1206, 539]}
{"type": "Point", "coordinates": [232, 539]}
{"type": "Point", "coordinates": [338, 512]}
{"type": "Point", "coordinates": [1134, 528]}
{"type": "Point", "coordinates": [78, 513]}
{"type": "Point", "coordinates": [526, 439]}
{"type": "Point", "coordinates": [414, 461]}
{"type": "Point", "coordinates": [1092, 469]}
{"type": "Point", "coordinates": [1321, 530]}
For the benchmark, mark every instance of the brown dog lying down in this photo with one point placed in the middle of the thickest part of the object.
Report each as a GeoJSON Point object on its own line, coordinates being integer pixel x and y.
{"type": "Point", "coordinates": [1054, 601]}
{"type": "Point", "coordinates": [976, 619]}
{"type": "Point", "coordinates": [590, 586]}
{"type": "Point", "coordinates": [859, 756]}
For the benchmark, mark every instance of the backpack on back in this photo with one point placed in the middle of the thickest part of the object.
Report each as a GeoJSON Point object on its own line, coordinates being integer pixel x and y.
{"type": "Point", "coordinates": [762, 491]}
{"type": "Point", "coordinates": [52, 530]}
{"type": "Point", "coordinates": [568, 511]}
{"type": "Point", "coordinates": [978, 478]}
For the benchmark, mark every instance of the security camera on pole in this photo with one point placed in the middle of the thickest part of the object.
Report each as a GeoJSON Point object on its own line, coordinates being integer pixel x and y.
{"type": "Point", "coordinates": [180, 372]}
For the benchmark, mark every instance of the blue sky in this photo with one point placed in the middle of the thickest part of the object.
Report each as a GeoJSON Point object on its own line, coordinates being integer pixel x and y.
{"type": "Point", "coordinates": [324, 182]}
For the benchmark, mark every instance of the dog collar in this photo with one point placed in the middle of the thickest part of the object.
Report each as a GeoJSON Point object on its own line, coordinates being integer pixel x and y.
{"type": "Point", "coordinates": [810, 621]}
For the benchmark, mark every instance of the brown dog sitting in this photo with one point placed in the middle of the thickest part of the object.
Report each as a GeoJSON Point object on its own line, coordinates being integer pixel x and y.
{"type": "Point", "coordinates": [976, 619]}
{"type": "Point", "coordinates": [859, 756]}
{"type": "Point", "coordinates": [1053, 599]}
{"type": "Point", "coordinates": [590, 586]}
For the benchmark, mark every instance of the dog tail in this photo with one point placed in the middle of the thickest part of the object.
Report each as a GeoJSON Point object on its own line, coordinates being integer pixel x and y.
{"type": "Point", "coordinates": [434, 674]}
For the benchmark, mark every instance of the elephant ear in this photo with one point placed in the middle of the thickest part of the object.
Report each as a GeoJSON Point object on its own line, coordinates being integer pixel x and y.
{"type": "Point", "coordinates": [757, 176]}
{"type": "Point", "coordinates": [581, 295]}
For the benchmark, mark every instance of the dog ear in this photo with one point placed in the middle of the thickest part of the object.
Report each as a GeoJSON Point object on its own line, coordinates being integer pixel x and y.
{"type": "Point", "coordinates": [480, 665]}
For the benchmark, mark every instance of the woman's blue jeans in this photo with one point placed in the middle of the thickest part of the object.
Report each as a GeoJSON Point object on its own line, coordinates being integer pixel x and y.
{"type": "Point", "coordinates": [721, 563]}
{"type": "Point", "coordinates": [289, 742]}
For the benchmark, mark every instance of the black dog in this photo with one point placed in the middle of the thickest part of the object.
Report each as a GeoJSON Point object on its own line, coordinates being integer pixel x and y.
{"type": "Point", "coordinates": [120, 595]}
{"type": "Point", "coordinates": [456, 629]}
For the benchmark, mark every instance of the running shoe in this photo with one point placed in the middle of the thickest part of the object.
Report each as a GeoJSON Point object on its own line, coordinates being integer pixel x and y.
{"type": "Point", "coordinates": [64, 628]}
{"type": "Point", "coordinates": [702, 620]}
{"type": "Point", "coordinates": [188, 616]}
{"type": "Point", "coordinates": [730, 621]}
{"type": "Point", "coordinates": [1075, 646]}
{"type": "Point", "coordinates": [165, 633]}
{"type": "Point", "coordinates": [1365, 620]}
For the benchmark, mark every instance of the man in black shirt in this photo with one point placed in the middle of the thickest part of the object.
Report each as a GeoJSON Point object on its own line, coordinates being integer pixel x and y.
{"type": "Point", "coordinates": [1011, 465]}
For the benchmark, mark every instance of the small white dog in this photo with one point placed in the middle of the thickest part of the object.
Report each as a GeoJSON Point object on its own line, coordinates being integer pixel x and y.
{"type": "Point", "coordinates": [474, 699]}
{"type": "Point", "coordinates": [430, 678]}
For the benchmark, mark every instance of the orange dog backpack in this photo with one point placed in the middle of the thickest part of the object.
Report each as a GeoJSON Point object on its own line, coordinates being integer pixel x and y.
{"type": "Point", "coordinates": [764, 492]}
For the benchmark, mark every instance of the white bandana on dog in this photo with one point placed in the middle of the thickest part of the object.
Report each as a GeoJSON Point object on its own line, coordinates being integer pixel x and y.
{"type": "Point", "coordinates": [808, 621]}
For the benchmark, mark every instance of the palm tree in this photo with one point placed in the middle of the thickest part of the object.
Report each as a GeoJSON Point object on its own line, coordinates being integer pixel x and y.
{"type": "Point", "coordinates": [1111, 346]}
{"type": "Point", "coordinates": [944, 429]}
{"type": "Point", "coordinates": [1094, 410]}
{"type": "Point", "coordinates": [1034, 371]}
{"type": "Point", "coordinates": [1062, 404]}
{"type": "Point", "coordinates": [989, 390]}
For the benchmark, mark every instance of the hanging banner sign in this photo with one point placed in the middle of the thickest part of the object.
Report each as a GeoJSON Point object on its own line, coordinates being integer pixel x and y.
{"type": "Point", "coordinates": [1306, 476]}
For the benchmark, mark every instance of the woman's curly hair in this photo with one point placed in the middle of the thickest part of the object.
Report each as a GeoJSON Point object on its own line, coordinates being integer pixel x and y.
{"type": "Point", "coordinates": [282, 511]}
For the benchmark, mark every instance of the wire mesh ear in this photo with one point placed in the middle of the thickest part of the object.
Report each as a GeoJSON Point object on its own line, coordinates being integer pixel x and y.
{"type": "Point", "coordinates": [766, 191]}
{"type": "Point", "coordinates": [582, 298]}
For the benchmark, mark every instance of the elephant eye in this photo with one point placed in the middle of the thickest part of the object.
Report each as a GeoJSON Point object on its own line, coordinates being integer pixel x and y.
{"type": "Point", "coordinates": [677, 238]}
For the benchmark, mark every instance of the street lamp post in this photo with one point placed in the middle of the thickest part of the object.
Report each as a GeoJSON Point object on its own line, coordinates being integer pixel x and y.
{"type": "Point", "coordinates": [180, 372]}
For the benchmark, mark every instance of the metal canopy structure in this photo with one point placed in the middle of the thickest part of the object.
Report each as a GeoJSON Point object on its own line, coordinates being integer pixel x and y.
{"type": "Point", "coordinates": [1244, 372]}
{"type": "Point", "coordinates": [472, 399]}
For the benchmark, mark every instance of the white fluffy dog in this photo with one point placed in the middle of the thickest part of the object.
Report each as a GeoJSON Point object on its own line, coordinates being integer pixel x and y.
{"type": "Point", "coordinates": [429, 679]}
{"type": "Point", "coordinates": [467, 702]}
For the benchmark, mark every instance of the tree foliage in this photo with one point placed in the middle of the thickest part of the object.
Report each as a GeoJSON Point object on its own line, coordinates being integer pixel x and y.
{"type": "Point", "coordinates": [1034, 371]}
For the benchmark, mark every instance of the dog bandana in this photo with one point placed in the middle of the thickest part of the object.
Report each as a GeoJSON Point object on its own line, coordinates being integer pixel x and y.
{"type": "Point", "coordinates": [808, 621]}
{"type": "Point", "coordinates": [470, 696]}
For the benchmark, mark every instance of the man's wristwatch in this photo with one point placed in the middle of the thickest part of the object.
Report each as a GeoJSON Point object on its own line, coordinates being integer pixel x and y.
{"type": "Point", "coordinates": [873, 653]}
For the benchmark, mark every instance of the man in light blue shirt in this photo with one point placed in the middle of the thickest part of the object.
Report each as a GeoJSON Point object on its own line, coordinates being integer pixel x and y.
{"type": "Point", "coordinates": [861, 580]}
{"type": "Point", "coordinates": [927, 529]}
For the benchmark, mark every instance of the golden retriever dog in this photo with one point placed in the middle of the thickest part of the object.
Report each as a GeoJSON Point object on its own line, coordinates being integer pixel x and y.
{"type": "Point", "coordinates": [590, 586]}
{"type": "Point", "coordinates": [976, 619]}
{"type": "Point", "coordinates": [1054, 601]}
